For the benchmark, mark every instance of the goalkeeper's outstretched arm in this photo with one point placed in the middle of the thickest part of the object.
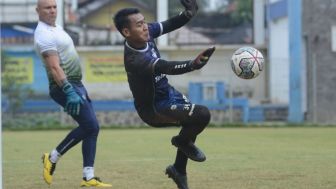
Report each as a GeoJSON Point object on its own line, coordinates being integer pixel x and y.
{"type": "Point", "coordinates": [180, 20]}
{"type": "Point", "coordinates": [180, 67]}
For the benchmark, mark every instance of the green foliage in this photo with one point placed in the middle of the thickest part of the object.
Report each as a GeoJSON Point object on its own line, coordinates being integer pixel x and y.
{"type": "Point", "coordinates": [175, 7]}
{"type": "Point", "coordinates": [244, 12]}
{"type": "Point", "coordinates": [237, 12]}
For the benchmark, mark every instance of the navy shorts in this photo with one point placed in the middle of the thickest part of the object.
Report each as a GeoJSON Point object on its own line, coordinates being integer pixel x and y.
{"type": "Point", "coordinates": [170, 111]}
{"type": "Point", "coordinates": [87, 116]}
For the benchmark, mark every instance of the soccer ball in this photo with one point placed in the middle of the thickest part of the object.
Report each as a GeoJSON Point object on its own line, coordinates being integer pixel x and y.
{"type": "Point", "coordinates": [247, 62]}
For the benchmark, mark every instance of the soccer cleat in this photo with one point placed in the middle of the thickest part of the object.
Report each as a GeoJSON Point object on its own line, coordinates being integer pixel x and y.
{"type": "Point", "coordinates": [189, 149]}
{"type": "Point", "coordinates": [94, 182]}
{"type": "Point", "coordinates": [180, 179]}
{"type": "Point", "coordinates": [48, 168]}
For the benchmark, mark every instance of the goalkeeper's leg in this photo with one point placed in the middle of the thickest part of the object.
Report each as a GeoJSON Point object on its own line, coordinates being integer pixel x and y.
{"type": "Point", "coordinates": [194, 118]}
{"type": "Point", "coordinates": [191, 127]}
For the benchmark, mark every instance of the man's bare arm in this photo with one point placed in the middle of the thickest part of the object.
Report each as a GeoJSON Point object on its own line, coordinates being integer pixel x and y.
{"type": "Point", "coordinates": [52, 62]}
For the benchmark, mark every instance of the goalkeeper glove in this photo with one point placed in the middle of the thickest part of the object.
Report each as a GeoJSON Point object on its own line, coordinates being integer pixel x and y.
{"type": "Point", "coordinates": [73, 100]}
{"type": "Point", "coordinates": [202, 59]}
{"type": "Point", "coordinates": [190, 6]}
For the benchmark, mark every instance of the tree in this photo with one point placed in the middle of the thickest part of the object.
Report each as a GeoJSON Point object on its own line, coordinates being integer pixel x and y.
{"type": "Point", "coordinates": [244, 12]}
{"type": "Point", "coordinates": [175, 6]}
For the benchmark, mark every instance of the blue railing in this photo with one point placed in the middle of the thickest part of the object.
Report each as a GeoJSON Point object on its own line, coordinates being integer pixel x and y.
{"type": "Point", "coordinates": [258, 113]}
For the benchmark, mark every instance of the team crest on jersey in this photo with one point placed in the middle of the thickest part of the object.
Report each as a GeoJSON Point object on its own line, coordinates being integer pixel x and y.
{"type": "Point", "coordinates": [154, 53]}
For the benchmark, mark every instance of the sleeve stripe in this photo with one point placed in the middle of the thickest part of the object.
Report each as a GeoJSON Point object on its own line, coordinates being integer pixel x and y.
{"type": "Point", "coordinates": [161, 28]}
{"type": "Point", "coordinates": [156, 61]}
{"type": "Point", "coordinates": [153, 65]}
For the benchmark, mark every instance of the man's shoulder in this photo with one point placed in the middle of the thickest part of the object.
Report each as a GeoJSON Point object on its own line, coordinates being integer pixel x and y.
{"type": "Point", "coordinates": [132, 54]}
{"type": "Point", "coordinates": [132, 57]}
{"type": "Point", "coordinates": [42, 31]}
{"type": "Point", "coordinates": [41, 27]}
{"type": "Point", "coordinates": [136, 61]}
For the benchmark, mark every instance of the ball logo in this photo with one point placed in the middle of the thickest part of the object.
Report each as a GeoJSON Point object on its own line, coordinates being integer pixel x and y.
{"type": "Point", "coordinates": [247, 62]}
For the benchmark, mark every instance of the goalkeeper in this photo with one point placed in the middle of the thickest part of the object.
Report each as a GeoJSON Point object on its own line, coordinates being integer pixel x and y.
{"type": "Point", "coordinates": [156, 101]}
{"type": "Point", "coordinates": [58, 53]}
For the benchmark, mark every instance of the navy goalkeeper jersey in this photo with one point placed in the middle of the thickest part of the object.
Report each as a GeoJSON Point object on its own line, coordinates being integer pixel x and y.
{"type": "Point", "coordinates": [147, 87]}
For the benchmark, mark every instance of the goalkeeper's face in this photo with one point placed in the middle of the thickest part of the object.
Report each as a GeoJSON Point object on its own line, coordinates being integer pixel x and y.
{"type": "Point", "coordinates": [137, 30]}
{"type": "Point", "coordinates": [47, 11]}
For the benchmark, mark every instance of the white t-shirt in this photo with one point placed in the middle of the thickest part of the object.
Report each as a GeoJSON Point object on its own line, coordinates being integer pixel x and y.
{"type": "Point", "coordinates": [54, 38]}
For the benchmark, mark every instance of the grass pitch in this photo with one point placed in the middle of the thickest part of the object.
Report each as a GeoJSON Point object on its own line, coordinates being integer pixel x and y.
{"type": "Point", "coordinates": [237, 158]}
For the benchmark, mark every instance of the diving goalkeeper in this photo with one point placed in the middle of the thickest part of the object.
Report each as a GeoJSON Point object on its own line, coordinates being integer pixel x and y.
{"type": "Point", "coordinates": [158, 104]}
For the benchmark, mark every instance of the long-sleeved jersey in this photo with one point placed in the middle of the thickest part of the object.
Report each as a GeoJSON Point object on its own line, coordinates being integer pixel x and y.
{"type": "Point", "coordinates": [146, 71]}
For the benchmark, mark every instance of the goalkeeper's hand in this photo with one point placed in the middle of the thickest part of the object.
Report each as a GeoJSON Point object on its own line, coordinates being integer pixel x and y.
{"type": "Point", "coordinates": [202, 59]}
{"type": "Point", "coordinates": [190, 6]}
{"type": "Point", "coordinates": [73, 100]}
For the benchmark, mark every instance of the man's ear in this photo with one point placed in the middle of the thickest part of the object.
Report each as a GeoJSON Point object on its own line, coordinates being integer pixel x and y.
{"type": "Point", "coordinates": [125, 32]}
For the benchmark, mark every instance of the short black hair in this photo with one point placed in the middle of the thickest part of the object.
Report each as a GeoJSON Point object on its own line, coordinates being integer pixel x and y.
{"type": "Point", "coordinates": [121, 20]}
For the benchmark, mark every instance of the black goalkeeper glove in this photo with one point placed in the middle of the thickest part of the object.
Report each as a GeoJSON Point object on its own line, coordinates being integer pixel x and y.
{"type": "Point", "coordinates": [202, 58]}
{"type": "Point", "coordinates": [191, 7]}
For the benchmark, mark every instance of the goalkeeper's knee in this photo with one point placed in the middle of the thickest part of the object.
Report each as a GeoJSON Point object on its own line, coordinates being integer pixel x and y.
{"type": "Point", "coordinates": [200, 117]}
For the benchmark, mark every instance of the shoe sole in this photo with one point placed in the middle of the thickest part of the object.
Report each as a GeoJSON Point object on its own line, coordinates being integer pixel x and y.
{"type": "Point", "coordinates": [170, 175]}
{"type": "Point", "coordinates": [43, 157]}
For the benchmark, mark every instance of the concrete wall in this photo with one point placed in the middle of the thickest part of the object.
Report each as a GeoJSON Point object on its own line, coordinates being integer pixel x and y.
{"type": "Point", "coordinates": [278, 52]}
{"type": "Point", "coordinates": [279, 58]}
{"type": "Point", "coordinates": [106, 119]}
{"type": "Point", "coordinates": [318, 19]}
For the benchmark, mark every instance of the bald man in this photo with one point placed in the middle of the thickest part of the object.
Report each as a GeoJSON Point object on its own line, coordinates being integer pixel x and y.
{"type": "Point", "coordinates": [62, 63]}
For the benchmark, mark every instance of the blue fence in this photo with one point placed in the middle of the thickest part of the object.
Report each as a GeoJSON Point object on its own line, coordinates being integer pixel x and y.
{"type": "Point", "coordinates": [51, 106]}
{"type": "Point", "coordinates": [196, 94]}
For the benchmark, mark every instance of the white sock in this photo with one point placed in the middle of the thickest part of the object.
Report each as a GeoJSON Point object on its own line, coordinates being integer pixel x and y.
{"type": "Point", "coordinates": [54, 156]}
{"type": "Point", "coordinates": [88, 172]}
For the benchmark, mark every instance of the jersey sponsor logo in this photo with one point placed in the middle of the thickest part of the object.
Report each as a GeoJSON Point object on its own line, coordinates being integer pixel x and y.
{"type": "Point", "coordinates": [180, 66]}
{"type": "Point", "coordinates": [158, 78]}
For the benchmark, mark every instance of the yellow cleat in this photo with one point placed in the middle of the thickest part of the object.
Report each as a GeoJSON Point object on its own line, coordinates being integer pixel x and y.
{"type": "Point", "coordinates": [94, 182]}
{"type": "Point", "coordinates": [48, 168]}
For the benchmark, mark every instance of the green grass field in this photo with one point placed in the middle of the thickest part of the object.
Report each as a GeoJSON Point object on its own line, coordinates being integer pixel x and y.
{"type": "Point", "coordinates": [237, 158]}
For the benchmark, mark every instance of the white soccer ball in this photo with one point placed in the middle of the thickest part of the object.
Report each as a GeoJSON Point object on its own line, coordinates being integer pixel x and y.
{"type": "Point", "coordinates": [247, 62]}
